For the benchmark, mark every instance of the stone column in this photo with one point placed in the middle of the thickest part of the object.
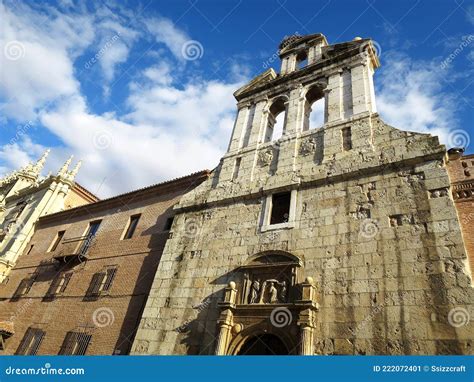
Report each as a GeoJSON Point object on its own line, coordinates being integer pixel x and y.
{"type": "Point", "coordinates": [306, 319]}
{"type": "Point", "coordinates": [225, 326]}
{"type": "Point", "coordinates": [363, 95]}
{"type": "Point", "coordinates": [239, 128]}
{"type": "Point", "coordinates": [226, 319]}
{"type": "Point", "coordinates": [306, 345]}
{"type": "Point", "coordinates": [334, 98]}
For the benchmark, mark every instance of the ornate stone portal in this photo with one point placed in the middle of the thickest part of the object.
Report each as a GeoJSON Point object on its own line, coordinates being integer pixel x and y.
{"type": "Point", "coordinates": [267, 298]}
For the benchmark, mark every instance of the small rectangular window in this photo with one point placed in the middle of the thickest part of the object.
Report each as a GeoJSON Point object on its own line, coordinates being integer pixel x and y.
{"type": "Point", "coordinates": [169, 223]}
{"type": "Point", "coordinates": [56, 241]}
{"type": "Point", "coordinates": [132, 225]}
{"type": "Point", "coordinates": [31, 342]}
{"type": "Point", "coordinates": [59, 285]}
{"type": "Point", "coordinates": [235, 174]}
{"type": "Point", "coordinates": [75, 343]}
{"type": "Point", "coordinates": [101, 282]}
{"type": "Point", "coordinates": [346, 139]}
{"type": "Point", "coordinates": [280, 208]}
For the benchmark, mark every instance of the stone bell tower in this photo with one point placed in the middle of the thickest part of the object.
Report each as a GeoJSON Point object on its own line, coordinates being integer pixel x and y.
{"type": "Point", "coordinates": [332, 238]}
{"type": "Point", "coordinates": [341, 76]}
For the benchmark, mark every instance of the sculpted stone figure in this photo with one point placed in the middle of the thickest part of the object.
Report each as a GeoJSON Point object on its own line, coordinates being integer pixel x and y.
{"type": "Point", "coordinates": [254, 292]}
{"type": "Point", "coordinates": [283, 292]}
{"type": "Point", "coordinates": [273, 293]}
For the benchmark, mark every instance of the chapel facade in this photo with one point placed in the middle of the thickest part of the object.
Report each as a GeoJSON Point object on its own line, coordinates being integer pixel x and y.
{"type": "Point", "coordinates": [341, 238]}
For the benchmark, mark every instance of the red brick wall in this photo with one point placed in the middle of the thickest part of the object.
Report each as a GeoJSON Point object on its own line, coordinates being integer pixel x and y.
{"type": "Point", "coordinates": [461, 173]}
{"type": "Point", "coordinates": [136, 258]}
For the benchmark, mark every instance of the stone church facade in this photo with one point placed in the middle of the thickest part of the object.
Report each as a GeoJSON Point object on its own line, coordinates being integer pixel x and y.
{"type": "Point", "coordinates": [333, 239]}
{"type": "Point", "coordinates": [25, 196]}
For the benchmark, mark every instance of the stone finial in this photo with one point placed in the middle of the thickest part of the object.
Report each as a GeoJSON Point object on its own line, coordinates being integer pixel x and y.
{"type": "Point", "coordinates": [75, 170]}
{"type": "Point", "coordinates": [40, 163]}
{"type": "Point", "coordinates": [63, 169]}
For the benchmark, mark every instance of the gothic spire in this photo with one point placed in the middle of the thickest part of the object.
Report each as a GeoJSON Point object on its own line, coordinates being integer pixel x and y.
{"type": "Point", "coordinates": [40, 163]}
{"type": "Point", "coordinates": [75, 170]}
{"type": "Point", "coordinates": [63, 170]}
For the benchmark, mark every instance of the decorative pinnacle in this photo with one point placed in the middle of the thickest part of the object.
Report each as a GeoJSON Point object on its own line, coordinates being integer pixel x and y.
{"type": "Point", "coordinates": [63, 170]}
{"type": "Point", "coordinates": [40, 163]}
{"type": "Point", "coordinates": [75, 170]}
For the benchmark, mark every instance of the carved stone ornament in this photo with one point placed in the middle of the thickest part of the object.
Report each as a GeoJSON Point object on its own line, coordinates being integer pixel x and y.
{"type": "Point", "coordinates": [265, 157]}
{"type": "Point", "coordinates": [308, 146]}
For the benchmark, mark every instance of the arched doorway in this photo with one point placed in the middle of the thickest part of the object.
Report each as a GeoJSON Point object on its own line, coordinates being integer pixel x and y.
{"type": "Point", "coordinates": [263, 344]}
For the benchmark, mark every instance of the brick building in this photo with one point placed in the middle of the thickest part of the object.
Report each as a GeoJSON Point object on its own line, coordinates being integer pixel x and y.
{"type": "Point", "coordinates": [461, 173]}
{"type": "Point", "coordinates": [82, 283]}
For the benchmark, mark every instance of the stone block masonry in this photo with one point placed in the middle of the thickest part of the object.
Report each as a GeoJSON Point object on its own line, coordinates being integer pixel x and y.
{"type": "Point", "coordinates": [365, 257]}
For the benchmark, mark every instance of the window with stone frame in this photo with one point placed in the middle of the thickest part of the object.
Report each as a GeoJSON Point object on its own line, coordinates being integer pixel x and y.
{"type": "Point", "coordinates": [31, 342]}
{"type": "Point", "coordinates": [280, 212]}
{"type": "Point", "coordinates": [101, 282]}
{"type": "Point", "coordinates": [59, 285]}
{"type": "Point", "coordinates": [75, 343]}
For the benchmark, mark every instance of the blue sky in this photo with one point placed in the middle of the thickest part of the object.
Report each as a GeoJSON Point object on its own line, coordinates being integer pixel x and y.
{"type": "Point", "coordinates": [142, 91]}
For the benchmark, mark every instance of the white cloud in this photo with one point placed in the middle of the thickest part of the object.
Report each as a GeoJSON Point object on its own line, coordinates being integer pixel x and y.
{"type": "Point", "coordinates": [162, 139]}
{"type": "Point", "coordinates": [169, 130]}
{"type": "Point", "coordinates": [115, 42]}
{"type": "Point", "coordinates": [166, 32]}
{"type": "Point", "coordinates": [36, 60]}
{"type": "Point", "coordinates": [411, 95]}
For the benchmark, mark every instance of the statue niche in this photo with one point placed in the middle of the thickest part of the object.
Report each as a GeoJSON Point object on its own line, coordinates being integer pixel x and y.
{"type": "Point", "coordinates": [268, 280]}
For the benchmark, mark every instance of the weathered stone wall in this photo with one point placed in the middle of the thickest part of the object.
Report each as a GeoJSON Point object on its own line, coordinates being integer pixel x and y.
{"type": "Point", "coordinates": [374, 226]}
{"type": "Point", "coordinates": [381, 242]}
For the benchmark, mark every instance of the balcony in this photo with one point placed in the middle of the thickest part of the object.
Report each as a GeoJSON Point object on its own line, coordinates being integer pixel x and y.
{"type": "Point", "coordinates": [74, 249]}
